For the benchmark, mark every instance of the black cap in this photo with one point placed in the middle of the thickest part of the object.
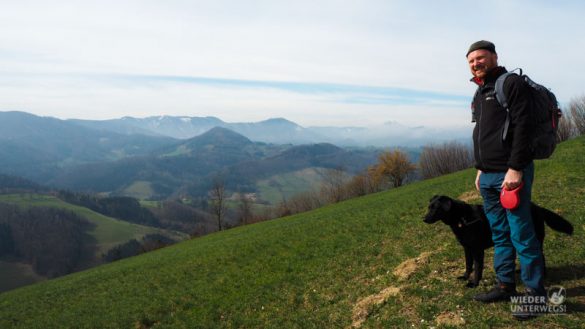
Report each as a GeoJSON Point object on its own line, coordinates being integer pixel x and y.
{"type": "Point", "coordinates": [482, 44]}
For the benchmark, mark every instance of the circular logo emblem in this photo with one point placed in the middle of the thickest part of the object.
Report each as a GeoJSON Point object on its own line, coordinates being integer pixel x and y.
{"type": "Point", "coordinates": [557, 295]}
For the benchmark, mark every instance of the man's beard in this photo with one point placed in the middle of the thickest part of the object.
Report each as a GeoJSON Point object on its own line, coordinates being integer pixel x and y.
{"type": "Point", "coordinates": [480, 70]}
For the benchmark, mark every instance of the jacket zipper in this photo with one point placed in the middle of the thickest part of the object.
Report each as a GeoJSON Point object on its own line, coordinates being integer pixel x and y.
{"type": "Point", "coordinates": [479, 127]}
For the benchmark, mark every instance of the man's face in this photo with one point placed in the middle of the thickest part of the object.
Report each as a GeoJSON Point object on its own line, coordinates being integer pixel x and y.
{"type": "Point", "coordinates": [481, 61]}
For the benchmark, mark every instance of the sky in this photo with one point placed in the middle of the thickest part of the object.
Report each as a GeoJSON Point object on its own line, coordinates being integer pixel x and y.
{"type": "Point", "coordinates": [317, 63]}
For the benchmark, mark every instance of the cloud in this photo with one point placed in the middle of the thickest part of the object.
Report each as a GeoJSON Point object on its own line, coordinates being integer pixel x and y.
{"type": "Point", "coordinates": [105, 96]}
{"type": "Point", "coordinates": [374, 57]}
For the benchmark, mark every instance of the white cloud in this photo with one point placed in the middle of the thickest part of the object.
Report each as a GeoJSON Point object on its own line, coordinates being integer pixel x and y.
{"type": "Point", "coordinates": [50, 51]}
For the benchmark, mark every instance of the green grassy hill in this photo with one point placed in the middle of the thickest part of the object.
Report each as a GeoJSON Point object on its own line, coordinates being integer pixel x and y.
{"type": "Point", "coordinates": [108, 232]}
{"type": "Point", "coordinates": [368, 262]}
{"type": "Point", "coordinates": [284, 186]}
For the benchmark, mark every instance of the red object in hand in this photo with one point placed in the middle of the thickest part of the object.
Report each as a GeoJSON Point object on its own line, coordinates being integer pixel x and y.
{"type": "Point", "coordinates": [510, 199]}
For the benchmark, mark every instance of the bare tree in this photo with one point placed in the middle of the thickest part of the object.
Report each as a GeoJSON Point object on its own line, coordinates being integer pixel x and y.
{"type": "Point", "coordinates": [365, 183]}
{"type": "Point", "coordinates": [566, 128]}
{"type": "Point", "coordinates": [264, 215]}
{"type": "Point", "coordinates": [244, 208]}
{"type": "Point", "coordinates": [577, 109]}
{"type": "Point", "coordinates": [283, 209]}
{"type": "Point", "coordinates": [332, 186]}
{"type": "Point", "coordinates": [218, 200]}
{"type": "Point", "coordinates": [395, 166]}
{"type": "Point", "coordinates": [357, 186]}
{"type": "Point", "coordinates": [437, 160]}
{"type": "Point", "coordinates": [304, 201]}
{"type": "Point", "coordinates": [375, 180]}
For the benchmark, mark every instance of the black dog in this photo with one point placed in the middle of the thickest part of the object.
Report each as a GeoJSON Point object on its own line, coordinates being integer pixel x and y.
{"type": "Point", "coordinates": [472, 229]}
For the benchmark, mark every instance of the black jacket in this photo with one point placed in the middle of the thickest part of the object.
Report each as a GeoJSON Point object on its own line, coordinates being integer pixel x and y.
{"type": "Point", "coordinates": [492, 154]}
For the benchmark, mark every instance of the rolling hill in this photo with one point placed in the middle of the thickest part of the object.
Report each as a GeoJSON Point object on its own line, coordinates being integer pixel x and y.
{"type": "Point", "coordinates": [190, 165]}
{"type": "Point", "coordinates": [367, 262]}
{"type": "Point", "coordinates": [106, 233]}
{"type": "Point", "coordinates": [132, 157]}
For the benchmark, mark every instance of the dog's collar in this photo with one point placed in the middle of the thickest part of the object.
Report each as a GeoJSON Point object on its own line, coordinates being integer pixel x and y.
{"type": "Point", "coordinates": [463, 222]}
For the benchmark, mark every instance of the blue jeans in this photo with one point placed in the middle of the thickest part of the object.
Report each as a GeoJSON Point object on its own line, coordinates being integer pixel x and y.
{"type": "Point", "coordinates": [513, 232]}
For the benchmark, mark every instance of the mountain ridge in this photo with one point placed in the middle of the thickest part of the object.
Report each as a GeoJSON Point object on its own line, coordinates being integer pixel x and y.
{"type": "Point", "coordinates": [283, 131]}
{"type": "Point", "coordinates": [68, 154]}
{"type": "Point", "coordinates": [34, 147]}
{"type": "Point", "coordinates": [191, 165]}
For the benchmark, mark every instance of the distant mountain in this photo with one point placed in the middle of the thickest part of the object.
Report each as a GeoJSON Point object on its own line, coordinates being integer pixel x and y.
{"type": "Point", "coordinates": [175, 127]}
{"type": "Point", "coordinates": [189, 166]}
{"type": "Point", "coordinates": [35, 147]}
{"type": "Point", "coordinates": [282, 131]}
{"type": "Point", "coordinates": [170, 168]}
{"type": "Point", "coordinates": [300, 157]}
{"type": "Point", "coordinates": [130, 157]}
{"type": "Point", "coordinates": [135, 157]}
{"type": "Point", "coordinates": [218, 137]}
{"type": "Point", "coordinates": [277, 131]}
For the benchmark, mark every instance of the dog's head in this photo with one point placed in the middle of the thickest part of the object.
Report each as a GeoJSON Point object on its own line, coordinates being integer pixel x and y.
{"type": "Point", "coordinates": [439, 207]}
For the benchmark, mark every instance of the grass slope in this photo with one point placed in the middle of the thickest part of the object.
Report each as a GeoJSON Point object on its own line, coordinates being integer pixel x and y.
{"type": "Point", "coordinates": [140, 190]}
{"type": "Point", "coordinates": [369, 261]}
{"type": "Point", "coordinates": [284, 186]}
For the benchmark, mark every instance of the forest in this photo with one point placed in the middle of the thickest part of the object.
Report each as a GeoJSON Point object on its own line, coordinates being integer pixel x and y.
{"type": "Point", "coordinates": [53, 241]}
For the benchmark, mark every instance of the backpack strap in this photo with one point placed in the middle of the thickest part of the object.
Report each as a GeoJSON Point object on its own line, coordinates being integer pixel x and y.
{"type": "Point", "coordinates": [473, 117]}
{"type": "Point", "coordinates": [503, 100]}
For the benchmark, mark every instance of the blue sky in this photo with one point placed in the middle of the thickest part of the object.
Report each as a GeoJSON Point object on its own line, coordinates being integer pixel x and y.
{"type": "Point", "coordinates": [318, 63]}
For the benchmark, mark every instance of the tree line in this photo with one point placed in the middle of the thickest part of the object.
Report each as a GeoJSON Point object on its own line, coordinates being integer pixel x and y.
{"type": "Point", "coordinates": [134, 247]}
{"type": "Point", "coordinates": [572, 121]}
{"type": "Point", "coordinates": [123, 208]}
{"type": "Point", "coordinates": [53, 241]}
{"type": "Point", "coordinates": [192, 218]}
{"type": "Point", "coordinates": [15, 184]}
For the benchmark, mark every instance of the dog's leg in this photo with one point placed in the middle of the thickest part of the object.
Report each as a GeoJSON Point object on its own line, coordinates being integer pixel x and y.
{"type": "Point", "coordinates": [478, 257]}
{"type": "Point", "coordinates": [468, 264]}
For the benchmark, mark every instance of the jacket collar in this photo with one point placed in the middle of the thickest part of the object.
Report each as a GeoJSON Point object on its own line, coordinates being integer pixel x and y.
{"type": "Point", "coordinates": [492, 76]}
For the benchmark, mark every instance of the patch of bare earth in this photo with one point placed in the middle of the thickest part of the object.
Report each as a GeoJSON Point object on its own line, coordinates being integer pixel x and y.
{"type": "Point", "coordinates": [407, 268]}
{"type": "Point", "coordinates": [364, 307]}
{"type": "Point", "coordinates": [470, 196]}
{"type": "Point", "coordinates": [448, 318]}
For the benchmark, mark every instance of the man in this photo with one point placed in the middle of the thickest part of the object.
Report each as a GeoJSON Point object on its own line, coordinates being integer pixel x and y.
{"type": "Point", "coordinates": [505, 164]}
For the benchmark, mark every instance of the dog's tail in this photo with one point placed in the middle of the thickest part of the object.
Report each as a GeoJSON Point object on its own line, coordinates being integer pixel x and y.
{"type": "Point", "coordinates": [556, 222]}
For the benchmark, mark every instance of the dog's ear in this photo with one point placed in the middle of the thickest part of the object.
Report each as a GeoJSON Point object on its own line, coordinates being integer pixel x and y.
{"type": "Point", "coordinates": [435, 197]}
{"type": "Point", "coordinates": [446, 203]}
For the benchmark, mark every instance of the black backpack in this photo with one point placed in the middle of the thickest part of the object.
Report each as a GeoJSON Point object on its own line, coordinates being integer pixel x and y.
{"type": "Point", "coordinates": [546, 115]}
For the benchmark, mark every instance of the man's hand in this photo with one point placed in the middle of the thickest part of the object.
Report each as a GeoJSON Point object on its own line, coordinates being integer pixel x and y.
{"type": "Point", "coordinates": [477, 179]}
{"type": "Point", "coordinates": [512, 180]}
